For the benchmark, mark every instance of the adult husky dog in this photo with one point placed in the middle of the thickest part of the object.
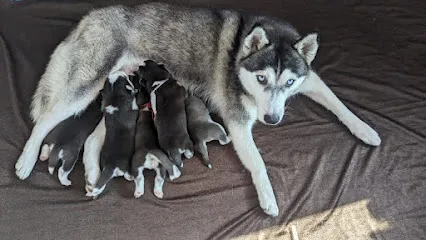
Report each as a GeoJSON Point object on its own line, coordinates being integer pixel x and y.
{"type": "Point", "coordinates": [244, 66]}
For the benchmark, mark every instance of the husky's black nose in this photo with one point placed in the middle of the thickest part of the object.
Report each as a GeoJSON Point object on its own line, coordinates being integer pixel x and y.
{"type": "Point", "coordinates": [271, 119]}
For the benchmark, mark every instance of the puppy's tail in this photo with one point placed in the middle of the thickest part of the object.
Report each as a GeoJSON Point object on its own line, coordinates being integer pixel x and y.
{"type": "Point", "coordinates": [166, 163]}
{"type": "Point", "coordinates": [202, 148]}
{"type": "Point", "coordinates": [106, 175]}
{"type": "Point", "coordinates": [176, 157]}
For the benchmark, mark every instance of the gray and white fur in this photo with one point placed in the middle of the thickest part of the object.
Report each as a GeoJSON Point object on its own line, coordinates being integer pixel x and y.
{"type": "Point", "coordinates": [201, 127]}
{"type": "Point", "coordinates": [120, 113]}
{"type": "Point", "coordinates": [244, 66]}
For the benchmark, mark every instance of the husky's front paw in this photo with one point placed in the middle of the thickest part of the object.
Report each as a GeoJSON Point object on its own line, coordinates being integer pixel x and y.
{"type": "Point", "coordinates": [92, 176]}
{"type": "Point", "coordinates": [176, 173]}
{"type": "Point", "coordinates": [266, 194]}
{"type": "Point", "coordinates": [25, 165]}
{"type": "Point", "coordinates": [269, 204]}
{"type": "Point", "coordinates": [364, 132]}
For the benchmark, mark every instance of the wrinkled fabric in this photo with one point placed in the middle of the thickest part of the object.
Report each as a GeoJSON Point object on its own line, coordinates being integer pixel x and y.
{"type": "Point", "coordinates": [328, 184]}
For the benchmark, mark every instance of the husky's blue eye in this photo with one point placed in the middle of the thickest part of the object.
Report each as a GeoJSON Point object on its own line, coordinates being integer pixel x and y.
{"type": "Point", "coordinates": [261, 78]}
{"type": "Point", "coordinates": [290, 82]}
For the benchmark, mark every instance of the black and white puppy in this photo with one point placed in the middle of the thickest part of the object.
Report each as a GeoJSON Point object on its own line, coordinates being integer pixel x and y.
{"type": "Point", "coordinates": [201, 127]}
{"type": "Point", "coordinates": [148, 154]}
{"type": "Point", "coordinates": [120, 113]}
{"type": "Point", "coordinates": [168, 104]}
{"type": "Point", "coordinates": [65, 142]}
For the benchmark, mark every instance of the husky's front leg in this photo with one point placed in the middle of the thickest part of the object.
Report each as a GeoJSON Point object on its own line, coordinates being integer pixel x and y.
{"type": "Point", "coordinates": [315, 88]}
{"type": "Point", "coordinates": [246, 149]}
{"type": "Point", "coordinates": [91, 155]}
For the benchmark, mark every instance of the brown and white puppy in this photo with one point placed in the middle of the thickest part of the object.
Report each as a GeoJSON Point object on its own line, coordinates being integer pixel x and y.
{"type": "Point", "coordinates": [65, 142]}
{"type": "Point", "coordinates": [168, 104]}
{"type": "Point", "coordinates": [201, 127]}
{"type": "Point", "coordinates": [148, 154]}
{"type": "Point", "coordinates": [120, 113]}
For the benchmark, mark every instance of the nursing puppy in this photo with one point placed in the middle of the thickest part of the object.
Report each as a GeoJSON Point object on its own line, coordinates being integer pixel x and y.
{"type": "Point", "coordinates": [65, 142]}
{"type": "Point", "coordinates": [148, 154]}
{"type": "Point", "coordinates": [168, 104]}
{"type": "Point", "coordinates": [202, 129]}
{"type": "Point", "coordinates": [120, 113]}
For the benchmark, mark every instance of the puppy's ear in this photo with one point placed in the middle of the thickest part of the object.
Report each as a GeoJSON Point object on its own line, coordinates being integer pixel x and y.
{"type": "Point", "coordinates": [254, 41]}
{"type": "Point", "coordinates": [307, 46]}
{"type": "Point", "coordinates": [162, 66]}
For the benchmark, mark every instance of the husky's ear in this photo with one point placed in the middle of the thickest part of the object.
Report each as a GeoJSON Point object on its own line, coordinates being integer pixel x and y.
{"type": "Point", "coordinates": [307, 46]}
{"type": "Point", "coordinates": [255, 41]}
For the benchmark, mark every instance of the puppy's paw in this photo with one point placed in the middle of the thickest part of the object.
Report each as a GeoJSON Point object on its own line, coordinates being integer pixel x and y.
{"type": "Point", "coordinates": [128, 177]}
{"type": "Point", "coordinates": [188, 154]}
{"type": "Point", "coordinates": [89, 189]}
{"type": "Point", "coordinates": [367, 134]}
{"type": "Point", "coordinates": [95, 192]}
{"type": "Point", "coordinates": [225, 140]}
{"type": "Point", "coordinates": [63, 177]}
{"type": "Point", "coordinates": [158, 193]}
{"type": "Point", "coordinates": [176, 173]}
{"type": "Point", "coordinates": [139, 193]}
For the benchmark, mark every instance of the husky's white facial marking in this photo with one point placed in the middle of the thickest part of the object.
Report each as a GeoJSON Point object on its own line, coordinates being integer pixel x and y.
{"type": "Point", "coordinates": [110, 109]}
{"type": "Point", "coordinates": [270, 91]}
{"type": "Point", "coordinates": [158, 185]}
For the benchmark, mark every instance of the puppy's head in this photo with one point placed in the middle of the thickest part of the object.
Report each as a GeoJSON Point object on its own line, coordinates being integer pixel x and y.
{"type": "Point", "coordinates": [152, 72]}
{"type": "Point", "coordinates": [118, 93]}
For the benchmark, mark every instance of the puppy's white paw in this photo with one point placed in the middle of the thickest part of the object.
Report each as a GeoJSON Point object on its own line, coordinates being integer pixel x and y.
{"type": "Point", "coordinates": [367, 134]}
{"type": "Point", "coordinates": [96, 192]}
{"type": "Point", "coordinates": [89, 189]}
{"type": "Point", "coordinates": [128, 177]}
{"type": "Point", "coordinates": [63, 177]}
{"type": "Point", "coordinates": [188, 154]}
{"type": "Point", "coordinates": [176, 173]}
{"type": "Point", "coordinates": [25, 164]}
{"type": "Point", "coordinates": [44, 153]}
{"type": "Point", "coordinates": [224, 142]}
{"type": "Point", "coordinates": [65, 182]}
{"type": "Point", "coordinates": [139, 193]}
{"type": "Point", "coordinates": [158, 193]}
